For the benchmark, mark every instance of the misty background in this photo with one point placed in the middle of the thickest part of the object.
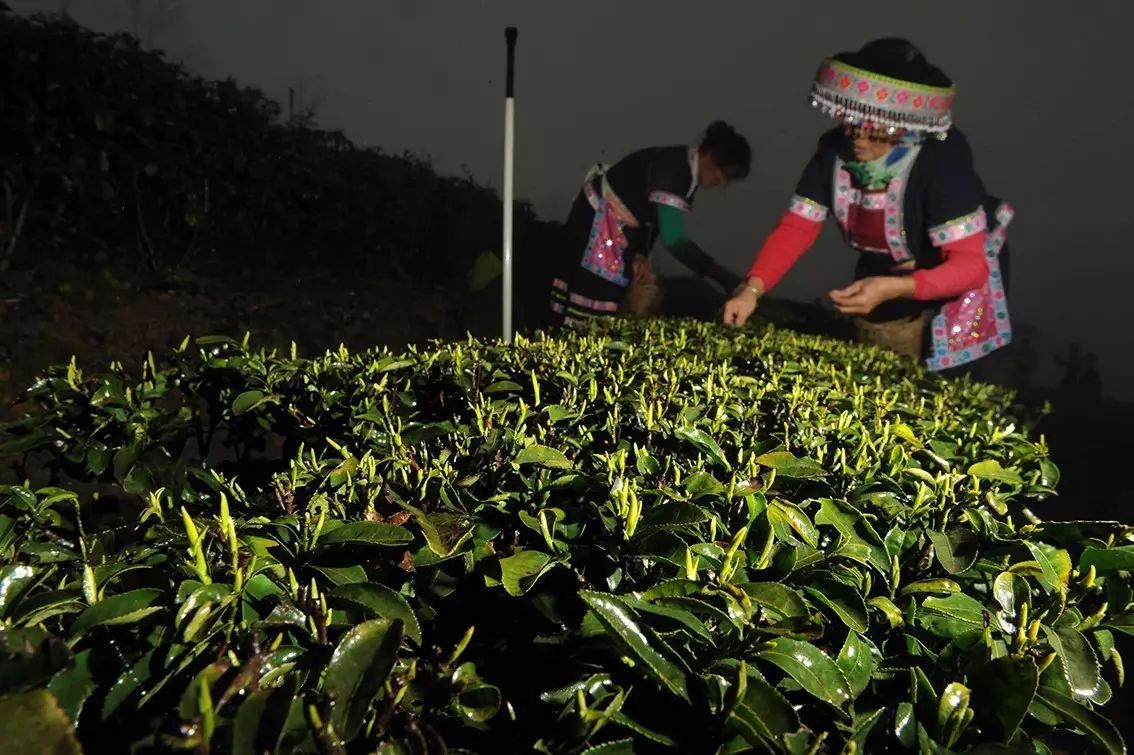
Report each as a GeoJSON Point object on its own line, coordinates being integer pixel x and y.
{"type": "Point", "coordinates": [1044, 95]}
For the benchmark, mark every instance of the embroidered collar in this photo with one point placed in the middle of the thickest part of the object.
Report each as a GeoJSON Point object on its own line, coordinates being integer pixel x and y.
{"type": "Point", "coordinates": [878, 173]}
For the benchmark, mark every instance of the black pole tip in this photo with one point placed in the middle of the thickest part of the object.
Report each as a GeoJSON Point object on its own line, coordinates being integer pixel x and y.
{"type": "Point", "coordinates": [510, 34]}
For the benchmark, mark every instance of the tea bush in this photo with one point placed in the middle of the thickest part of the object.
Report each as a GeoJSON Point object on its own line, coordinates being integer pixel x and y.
{"type": "Point", "coordinates": [656, 536]}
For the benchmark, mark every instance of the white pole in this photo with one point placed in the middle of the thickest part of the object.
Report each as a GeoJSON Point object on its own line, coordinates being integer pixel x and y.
{"type": "Point", "coordinates": [510, 35]}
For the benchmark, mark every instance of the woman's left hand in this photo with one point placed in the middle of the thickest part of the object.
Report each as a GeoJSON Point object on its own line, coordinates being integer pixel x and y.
{"type": "Point", "coordinates": [863, 296]}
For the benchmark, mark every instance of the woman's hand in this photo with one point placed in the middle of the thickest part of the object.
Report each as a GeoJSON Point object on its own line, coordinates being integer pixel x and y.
{"type": "Point", "coordinates": [743, 303]}
{"type": "Point", "coordinates": [864, 296]}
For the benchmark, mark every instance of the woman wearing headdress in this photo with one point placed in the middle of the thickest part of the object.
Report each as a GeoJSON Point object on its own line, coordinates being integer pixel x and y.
{"type": "Point", "coordinates": [899, 180]}
{"type": "Point", "coordinates": [623, 209]}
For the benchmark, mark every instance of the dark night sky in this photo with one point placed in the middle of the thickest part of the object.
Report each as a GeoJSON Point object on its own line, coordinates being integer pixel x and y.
{"type": "Point", "coordinates": [1045, 94]}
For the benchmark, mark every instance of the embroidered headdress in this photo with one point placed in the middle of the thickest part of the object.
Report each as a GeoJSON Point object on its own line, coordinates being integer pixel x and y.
{"type": "Point", "coordinates": [889, 85]}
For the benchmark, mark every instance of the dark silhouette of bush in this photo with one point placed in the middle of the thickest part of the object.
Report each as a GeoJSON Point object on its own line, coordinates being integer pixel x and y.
{"type": "Point", "coordinates": [109, 152]}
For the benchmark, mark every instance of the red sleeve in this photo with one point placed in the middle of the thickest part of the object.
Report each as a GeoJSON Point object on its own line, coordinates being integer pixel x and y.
{"type": "Point", "coordinates": [792, 236]}
{"type": "Point", "coordinates": [963, 269]}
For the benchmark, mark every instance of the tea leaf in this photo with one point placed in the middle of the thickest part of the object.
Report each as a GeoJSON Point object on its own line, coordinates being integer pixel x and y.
{"type": "Point", "coordinates": [784, 514]}
{"type": "Point", "coordinates": [127, 608]}
{"type": "Point", "coordinates": [776, 597]}
{"type": "Point", "coordinates": [1080, 666]}
{"type": "Point", "coordinates": [788, 465]}
{"type": "Point", "coordinates": [991, 470]}
{"type": "Point", "coordinates": [844, 600]}
{"type": "Point", "coordinates": [1054, 563]}
{"type": "Point", "coordinates": [811, 668]}
{"type": "Point", "coordinates": [1005, 689]}
{"type": "Point", "coordinates": [521, 570]}
{"type": "Point", "coordinates": [544, 457]}
{"type": "Point", "coordinates": [705, 444]}
{"type": "Point", "coordinates": [358, 670]}
{"type": "Point", "coordinates": [378, 602]}
{"type": "Point", "coordinates": [956, 550]}
{"type": "Point", "coordinates": [1107, 560]}
{"type": "Point", "coordinates": [857, 662]}
{"type": "Point", "coordinates": [1096, 726]}
{"type": "Point", "coordinates": [248, 401]}
{"type": "Point", "coordinates": [366, 533]}
{"type": "Point", "coordinates": [620, 624]}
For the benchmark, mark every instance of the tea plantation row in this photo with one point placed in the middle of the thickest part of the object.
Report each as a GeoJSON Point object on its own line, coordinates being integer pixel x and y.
{"type": "Point", "coordinates": [660, 536]}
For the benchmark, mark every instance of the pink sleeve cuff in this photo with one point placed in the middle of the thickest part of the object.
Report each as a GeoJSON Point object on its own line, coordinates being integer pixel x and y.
{"type": "Point", "coordinates": [963, 269]}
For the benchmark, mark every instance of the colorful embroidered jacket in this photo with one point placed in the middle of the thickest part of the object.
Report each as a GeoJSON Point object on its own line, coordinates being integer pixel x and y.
{"type": "Point", "coordinates": [655, 176]}
{"type": "Point", "coordinates": [934, 215]}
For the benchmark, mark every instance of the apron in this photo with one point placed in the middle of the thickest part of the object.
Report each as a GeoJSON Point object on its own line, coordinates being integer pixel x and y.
{"type": "Point", "coordinates": [977, 322]}
{"type": "Point", "coordinates": [605, 252]}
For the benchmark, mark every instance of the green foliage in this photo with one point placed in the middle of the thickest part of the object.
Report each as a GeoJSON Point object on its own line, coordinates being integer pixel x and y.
{"type": "Point", "coordinates": [658, 536]}
{"type": "Point", "coordinates": [111, 152]}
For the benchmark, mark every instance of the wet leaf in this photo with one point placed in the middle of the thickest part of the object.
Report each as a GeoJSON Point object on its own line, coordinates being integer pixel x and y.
{"type": "Point", "coordinates": [686, 619]}
{"type": "Point", "coordinates": [811, 668]}
{"type": "Point", "coordinates": [1096, 726]}
{"type": "Point", "coordinates": [857, 662]}
{"type": "Point", "coordinates": [617, 747]}
{"type": "Point", "coordinates": [705, 444]}
{"type": "Point", "coordinates": [621, 625]}
{"type": "Point", "coordinates": [1080, 666]}
{"type": "Point", "coordinates": [127, 608]}
{"type": "Point", "coordinates": [1012, 592]}
{"type": "Point", "coordinates": [844, 600]}
{"type": "Point", "coordinates": [358, 670]}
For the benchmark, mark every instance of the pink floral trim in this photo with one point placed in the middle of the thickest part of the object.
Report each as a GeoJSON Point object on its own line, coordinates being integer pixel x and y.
{"type": "Point", "coordinates": [960, 228]}
{"type": "Point", "coordinates": [875, 200]}
{"type": "Point", "coordinates": [561, 293]}
{"type": "Point", "coordinates": [672, 200]}
{"type": "Point", "coordinates": [844, 197]}
{"type": "Point", "coordinates": [594, 304]}
{"type": "Point", "coordinates": [849, 93]}
{"type": "Point", "coordinates": [808, 209]}
{"type": "Point", "coordinates": [895, 223]}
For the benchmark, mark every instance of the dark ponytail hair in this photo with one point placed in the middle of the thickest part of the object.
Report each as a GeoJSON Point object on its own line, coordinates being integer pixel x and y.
{"type": "Point", "coordinates": [897, 58]}
{"type": "Point", "coordinates": [729, 150]}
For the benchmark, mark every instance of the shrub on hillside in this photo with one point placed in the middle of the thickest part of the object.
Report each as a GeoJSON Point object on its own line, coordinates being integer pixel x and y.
{"type": "Point", "coordinates": [657, 536]}
{"type": "Point", "coordinates": [108, 151]}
